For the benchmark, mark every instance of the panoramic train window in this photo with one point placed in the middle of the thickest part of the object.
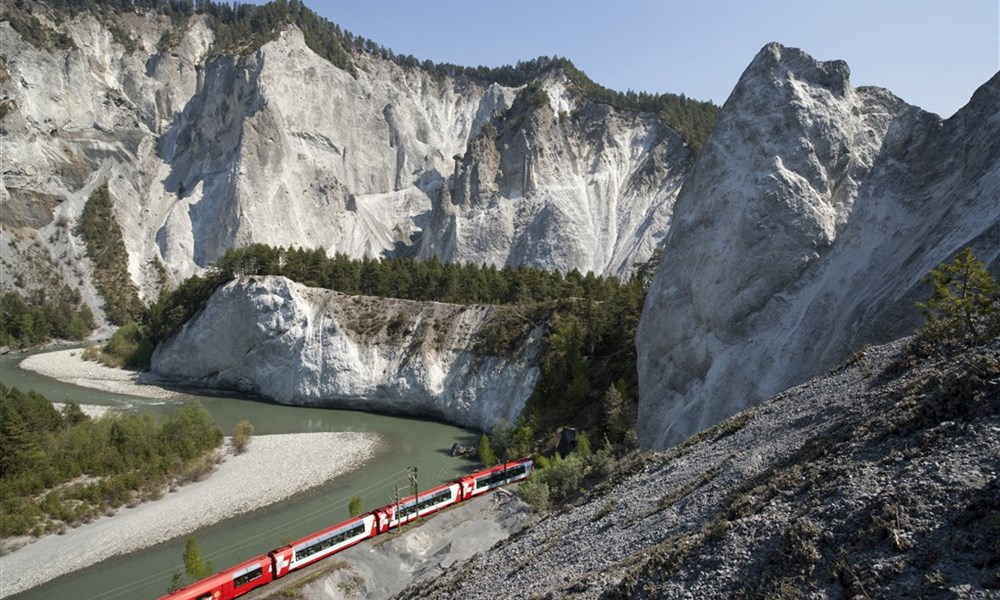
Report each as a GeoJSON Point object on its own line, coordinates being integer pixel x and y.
{"type": "Point", "coordinates": [247, 577]}
{"type": "Point", "coordinates": [327, 541]}
{"type": "Point", "coordinates": [405, 511]}
{"type": "Point", "coordinates": [501, 476]}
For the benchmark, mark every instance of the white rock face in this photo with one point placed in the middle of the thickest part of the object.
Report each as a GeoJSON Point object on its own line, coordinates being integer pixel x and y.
{"type": "Point", "coordinates": [311, 347]}
{"type": "Point", "coordinates": [205, 152]}
{"type": "Point", "coordinates": [80, 118]}
{"type": "Point", "coordinates": [562, 187]}
{"type": "Point", "coordinates": [802, 234]}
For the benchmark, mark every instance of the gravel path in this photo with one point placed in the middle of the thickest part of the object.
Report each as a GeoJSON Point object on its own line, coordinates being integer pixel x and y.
{"type": "Point", "coordinates": [292, 463]}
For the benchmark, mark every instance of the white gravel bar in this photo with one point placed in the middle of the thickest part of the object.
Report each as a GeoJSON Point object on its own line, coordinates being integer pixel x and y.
{"type": "Point", "coordinates": [273, 468]}
{"type": "Point", "coordinates": [292, 462]}
{"type": "Point", "coordinates": [69, 366]}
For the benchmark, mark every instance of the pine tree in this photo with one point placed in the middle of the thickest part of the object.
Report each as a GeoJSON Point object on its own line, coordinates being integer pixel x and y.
{"type": "Point", "coordinates": [18, 446]}
{"type": "Point", "coordinates": [486, 455]}
{"type": "Point", "coordinates": [196, 566]}
{"type": "Point", "coordinates": [176, 581]}
{"type": "Point", "coordinates": [614, 405]}
{"type": "Point", "coordinates": [964, 301]}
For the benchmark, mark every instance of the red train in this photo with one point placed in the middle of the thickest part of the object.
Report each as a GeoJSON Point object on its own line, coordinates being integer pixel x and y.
{"type": "Point", "coordinates": [242, 578]}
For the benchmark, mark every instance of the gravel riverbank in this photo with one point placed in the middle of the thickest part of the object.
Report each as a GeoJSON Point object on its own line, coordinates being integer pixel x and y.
{"type": "Point", "coordinates": [69, 366]}
{"type": "Point", "coordinates": [292, 463]}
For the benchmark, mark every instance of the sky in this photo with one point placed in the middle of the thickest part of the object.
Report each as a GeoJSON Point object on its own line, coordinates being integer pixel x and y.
{"type": "Point", "coordinates": [931, 53]}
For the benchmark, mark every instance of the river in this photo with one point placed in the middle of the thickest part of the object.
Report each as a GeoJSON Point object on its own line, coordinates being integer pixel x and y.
{"type": "Point", "coordinates": [147, 573]}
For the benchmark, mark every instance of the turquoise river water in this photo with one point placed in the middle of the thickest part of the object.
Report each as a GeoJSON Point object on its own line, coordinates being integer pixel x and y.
{"type": "Point", "coordinates": [147, 573]}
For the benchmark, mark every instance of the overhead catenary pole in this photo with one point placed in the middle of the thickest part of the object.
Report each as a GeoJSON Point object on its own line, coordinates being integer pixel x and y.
{"type": "Point", "coordinates": [413, 480]}
{"type": "Point", "coordinates": [399, 520]}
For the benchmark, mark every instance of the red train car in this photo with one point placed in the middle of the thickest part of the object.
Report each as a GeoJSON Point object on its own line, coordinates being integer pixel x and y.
{"type": "Point", "coordinates": [248, 575]}
{"type": "Point", "coordinates": [321, 544]}
{"type": "Point", "coordinates": [422, 504]}
{"type": "Point", "coordinates": [483, 481]}
{"type": "Point", "coordinates": [230, 583]}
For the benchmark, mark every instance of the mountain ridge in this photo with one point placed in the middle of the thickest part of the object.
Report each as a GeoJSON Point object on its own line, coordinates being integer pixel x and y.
{"type": "Point", "coordinates": [203, 151]}
{"type": "Point", "coordinates": [809, 220]}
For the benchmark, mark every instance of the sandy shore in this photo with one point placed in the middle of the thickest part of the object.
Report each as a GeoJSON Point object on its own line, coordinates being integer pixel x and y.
{"type": "Point", "coordinates": [292, 463]}
{"type": "Point", "coordinates": [69, 366]}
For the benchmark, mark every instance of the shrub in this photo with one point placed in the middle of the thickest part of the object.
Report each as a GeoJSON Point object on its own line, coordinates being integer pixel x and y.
{"type": "Point", "coordinates": [583, 445]}
{"type": "Point", "coordinates": [535, 492]}
{"type": "Point", "coordinates": [562, 475]}
{"type": "Point", "coordinates": [129, 346]}
{"type": "Point", "coordinates": [241, 436]}
{"type": "Point", "coordinates": [522, 440]}
{"type": "Point", "coordinates": [354, 508]}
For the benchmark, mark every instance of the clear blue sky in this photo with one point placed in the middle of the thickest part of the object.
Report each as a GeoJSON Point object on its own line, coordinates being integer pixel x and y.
{"type": "Point", "coordinates": [931, 53]}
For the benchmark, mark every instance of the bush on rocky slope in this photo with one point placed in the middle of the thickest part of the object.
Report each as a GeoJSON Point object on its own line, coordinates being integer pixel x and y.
{"type": "Point", "coordinates": [965, 303]}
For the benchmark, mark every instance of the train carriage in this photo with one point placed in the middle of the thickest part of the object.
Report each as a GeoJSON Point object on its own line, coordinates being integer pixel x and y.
{"type": "Point", "coordinates": [248, 575]}
{"type": "Point", "coordinates": [422, 504]}
{"type": "Point", "coordinates": [321, 544]}
{"type": "Point", "coordinates": [483, 481]}
{"type": "Point", "coordinates": [228, 584]}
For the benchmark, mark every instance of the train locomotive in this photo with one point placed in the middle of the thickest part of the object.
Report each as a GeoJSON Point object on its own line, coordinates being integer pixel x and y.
{"type": "Point", "coordinates": [248, 575]}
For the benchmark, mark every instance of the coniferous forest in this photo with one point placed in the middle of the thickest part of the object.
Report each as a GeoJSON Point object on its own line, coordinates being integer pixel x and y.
{"type": "Point", "coordinates": [591, 321]}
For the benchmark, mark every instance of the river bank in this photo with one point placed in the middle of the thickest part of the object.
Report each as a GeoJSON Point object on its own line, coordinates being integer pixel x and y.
{"type": "Point", "coordinates": [274, 468]}
{"type": "Point", "coordinates": [68, 365]}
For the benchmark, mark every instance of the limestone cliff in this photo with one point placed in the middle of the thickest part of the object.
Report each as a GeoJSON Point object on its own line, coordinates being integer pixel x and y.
{"type": "Point", "coordinates": [312, 347]}
{"type": "Point", "coordinates": [561, 185]}
{"type": "Point", "coordinates": [802, 234]}
{"type": "Point", "coordinates": [204, 151]}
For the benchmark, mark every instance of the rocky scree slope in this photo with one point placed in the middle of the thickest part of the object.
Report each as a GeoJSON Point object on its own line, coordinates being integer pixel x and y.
{"type": "Point", "coordinates": [878, 480]}
{"type": "Point", "coordinates": [203, 152]}
{"type": "Point", "coordinates": [802, 234]}
{"type": "Point", "coordinates": [311, 347]}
